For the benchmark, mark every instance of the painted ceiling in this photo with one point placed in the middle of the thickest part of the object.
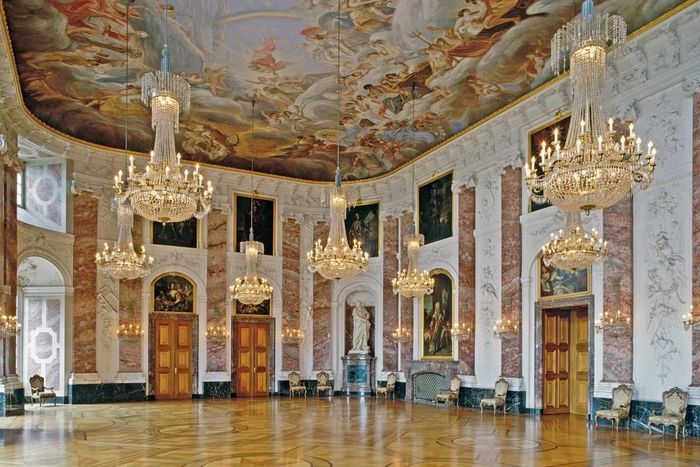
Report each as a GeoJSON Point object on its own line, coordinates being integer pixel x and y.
{"type": "Point", "coordinates": [468, 58]}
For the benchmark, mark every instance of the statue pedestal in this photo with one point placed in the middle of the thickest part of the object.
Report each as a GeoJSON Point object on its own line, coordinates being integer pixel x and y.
{"type": "Point", "coordinates": [358, 374]}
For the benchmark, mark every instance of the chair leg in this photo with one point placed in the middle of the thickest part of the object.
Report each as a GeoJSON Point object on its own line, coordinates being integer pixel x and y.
{"type": "Point", "coordinates": [595, 419]}
{"type": "Point", "coordinates": [617, 424]}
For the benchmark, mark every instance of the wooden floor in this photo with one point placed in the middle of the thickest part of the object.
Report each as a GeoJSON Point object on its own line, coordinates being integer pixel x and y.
{"type": "Point", "coordinates": [320, 432]}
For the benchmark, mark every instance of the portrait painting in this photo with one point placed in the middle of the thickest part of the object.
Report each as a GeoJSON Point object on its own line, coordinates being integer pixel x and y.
{"type": "Point", "coordinates": [362, 224]}
{"type": "Point", "coordinates": [437, 312]}
{"type": "Point", "coordinates": [173, 292]}
{"type": "Point", "coordinates": [545, 134]}
{"type": "Point", "coordinates": [555, 283]}
{"type": "Point", "coordinates": [182, 234]}
{"type": "Point", "coordinates": [263, 222]}
{"type": "Point", "coordinates": [263, 309]}
{"type": "Point", "coordinates": [435, 209]}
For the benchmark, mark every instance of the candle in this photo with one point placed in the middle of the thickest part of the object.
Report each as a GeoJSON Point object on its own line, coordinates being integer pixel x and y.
{"type": "Point", "coordinates": [610, 125]}
{"type": "Point", "coordinates": [600, 144]}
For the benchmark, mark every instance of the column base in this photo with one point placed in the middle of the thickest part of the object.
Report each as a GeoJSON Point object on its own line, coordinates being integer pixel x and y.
{"type": "Point", "coordinates": [11, 397]}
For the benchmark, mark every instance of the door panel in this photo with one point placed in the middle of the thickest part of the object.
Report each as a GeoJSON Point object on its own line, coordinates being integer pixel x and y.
{"type": "Point", "coordinates": [252, 355]}
{"type": "Point", "coordinates": [556, 397]}
{"type": "Point", "coordinates": [579, 362]}
{"type": "Point", "coordinates": [173, 359]}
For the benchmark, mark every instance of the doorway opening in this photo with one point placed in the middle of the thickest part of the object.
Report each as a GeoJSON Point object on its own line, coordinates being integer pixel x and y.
{"type": "Point", "coordinates": [565, 360]}
{"type": "Point", "coordinates": [252, 357]}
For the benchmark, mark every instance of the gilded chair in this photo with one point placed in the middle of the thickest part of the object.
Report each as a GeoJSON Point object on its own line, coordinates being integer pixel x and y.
{"type": "Point", "coordinates": [389, 388]}
{"type": "Point", "coordinates": [499, 397]}
{"type": "Point", "coordinates": [323, 383]}
{"type": "Point", "coordinates": [620, 407]}
{"type": "Point", "coordinates": [295, 384]}
{"type": "Point", "coordinates": [450, 396]}
{"type": "Point", "coordinates": [675, 404]}
{"type": "Point", "coordinates": [41, 392]}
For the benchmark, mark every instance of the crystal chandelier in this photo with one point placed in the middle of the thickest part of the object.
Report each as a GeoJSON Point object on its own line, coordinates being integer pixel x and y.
{"type": "Point", "coordinates": [217, 332]}
{"type": "Point", "coordinates": [505, 328]}
{"type": "Point", "coordinates": [401, 335]}
{"type": "Point", "coordinates": [165, 191]}
{"type": "Point", "coordinates": [130, 330]}
{"type": "Point", "coordinates": [573, 248]}
{"type": "Point", "coordinates": [251, 289]}
{"type": "Point", "coordinates": [9, 326]}
{"type": "Point", "coordinates": [614, 324]}
{"type": "Point", "coordinates": [595, 168]}
{"type": "Point", "coordinates": [292, 335]}
{"type": "Point", "coordinates": [337, 259]}
{"type": "Point", "coordinates": [461, 331]}
{"type": "Point", "coordinates": [122, 261]}
{"type": "Point", "coordinates": [410, 282]}
{"type": "Point", "coordinates": [691, 320]}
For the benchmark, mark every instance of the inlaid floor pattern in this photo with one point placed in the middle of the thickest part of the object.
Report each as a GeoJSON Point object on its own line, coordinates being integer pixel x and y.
{"type": "Point", "coordinates": [320, 432]}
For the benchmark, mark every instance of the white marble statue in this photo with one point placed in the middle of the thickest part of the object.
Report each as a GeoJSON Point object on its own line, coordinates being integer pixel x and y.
{"type": "Point", "coordinates": [360, 329]}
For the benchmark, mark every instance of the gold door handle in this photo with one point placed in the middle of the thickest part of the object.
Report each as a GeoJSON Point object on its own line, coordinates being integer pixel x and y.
{"type": "Point", "coordinates": [175, 370]}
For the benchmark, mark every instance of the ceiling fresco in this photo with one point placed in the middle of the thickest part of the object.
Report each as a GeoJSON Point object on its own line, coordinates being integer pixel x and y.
{"type": "Point", "coordinates": [467, 58]}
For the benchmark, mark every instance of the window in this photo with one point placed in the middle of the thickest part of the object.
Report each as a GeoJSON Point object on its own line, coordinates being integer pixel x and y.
{"type": "Point", "coordinates": [20, 189]}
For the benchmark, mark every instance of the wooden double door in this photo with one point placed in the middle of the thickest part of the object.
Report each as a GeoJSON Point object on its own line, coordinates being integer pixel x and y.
{"type": "Point", "coordinates": [252, 351]}
{"type": "Point", "coordinates": [173, 353]}
{"type": "Point", "coordinates": [565, 365]}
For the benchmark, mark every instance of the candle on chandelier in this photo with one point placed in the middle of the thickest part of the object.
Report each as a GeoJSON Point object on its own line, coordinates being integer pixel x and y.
{"type": "Point", "coordinates": [610, 124]}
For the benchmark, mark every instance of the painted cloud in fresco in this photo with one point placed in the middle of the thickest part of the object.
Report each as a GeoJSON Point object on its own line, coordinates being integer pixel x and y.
{"type": "Point", "coordinates": [468, 58]}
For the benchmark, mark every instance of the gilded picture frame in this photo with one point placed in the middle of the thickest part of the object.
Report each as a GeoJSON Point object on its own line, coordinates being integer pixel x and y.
{"type": "Point", "coordinates": [554, 283]}
{"type": "Point", "coordinates": [436, 341]}
{"type": "Point", "coordinates": [534, 143]}
{"type": "Point", "coordinates": [435, 213]}
{"type": "Point", "coordinates": [182, 300]}
{"type": "Point", "coordinates": [265, 227]}
{"type": "Point", "coordinates": [368, 215]}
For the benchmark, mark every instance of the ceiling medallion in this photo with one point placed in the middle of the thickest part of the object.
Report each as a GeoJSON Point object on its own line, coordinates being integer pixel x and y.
{"type": "Point", "coordinates": [337, 260]}
{"type": "Point", "coordinates": [595, 168]}
{"type": "Point", "coordinates": [165, 191]}
{"type": "Point", "coordinates": [573, 248]}
{"type": "Point", "coordinates": [251, 289]}
{"type": "Point", "coordinates": [122, 261]}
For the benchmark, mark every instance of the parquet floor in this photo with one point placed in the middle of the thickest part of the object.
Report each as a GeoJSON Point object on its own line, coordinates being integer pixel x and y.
{"type": "Point", "coordinates": [319, 432]}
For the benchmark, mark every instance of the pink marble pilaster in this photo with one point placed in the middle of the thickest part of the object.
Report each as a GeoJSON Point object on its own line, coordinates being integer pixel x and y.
{"type": "Point", "coordinates": [9, 240]}
{"type": "Point", "coordinates": [321, 311]}
{"type": "Point", "coordinates": [406, 228]}
{"type": "Point", "coordinates": [217, 222]}
{"type": "Point", "coordinates": [467, 271]}
{"type": "Point", "coordinates": [618, 267]}
{"type": "Point", "coordinates": [511, 257]}
{"type": "Point", "coordinates": [290, 290]}
{"type": "Point", "coordinates": [696, 234]}
{"type": "Point", "coordinates": [390, 260]}
{"type": "Point", "coordinates": [130, 310]}
{"type": "Point", "coordinates": [85, 284]}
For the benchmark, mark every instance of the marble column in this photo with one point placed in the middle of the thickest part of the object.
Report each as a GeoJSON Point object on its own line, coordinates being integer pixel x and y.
{"type": "Point", "coordinates": [406, 228]}
{"type": "Point", "coordinates": [696, 234]}
{"type": "Point", "coordinates": [511, 258]}
{"type": "Point", "coordinates": [217, 223]}
{"type": "Point", "coordinates": [390, 260]}
{"type": "Point", "coordinates": [85, 288]}
{"type": "Point", "coordinates": [321, 311]}
{"type": "Point", "coordinates": [467, 276]}
{"type": "Point", "coordinates": [617, 289]}
{"type": "Point", "coordinates": [290, 290]}
{"type": "Point", "coordinates": [130, 310]}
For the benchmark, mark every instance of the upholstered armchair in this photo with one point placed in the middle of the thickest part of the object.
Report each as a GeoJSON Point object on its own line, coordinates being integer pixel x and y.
{"type": "Point", "coordinates": [389, 388]}
{"type": "Point", "coordinates": [619, 409]}
{"type": "Point", "coordinates": [675, 404]}
{"type": "Point", "coordinates": [450, 396]}
{"type": "Point", "coordinates": [41, 392]}
{"type": "Point", "coordinates": [295, 384]}
{"type": "Point", "coordinates": [499, 397]}
{"type": "Point", "coordinates": [323, 383]}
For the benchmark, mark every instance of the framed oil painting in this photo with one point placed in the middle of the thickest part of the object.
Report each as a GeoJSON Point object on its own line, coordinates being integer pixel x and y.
{"type": "Point", "coordinates": [262, 310]}
{"type": "Point", "coordinates": [554, 283]}
{"type": "Point", "coordinates": [263, 222]}
{"type": "Point", "coordinates": [182, 234]}
{"type": "Point", "coordinates": [173, 292]}
{"type": "Point", "coordinates": [437, 318]}
{"type": "Point", "coordinates": [435, 209]}
{"type": "Point", "coordinates": [362, 224]}
{"type": "Point", "coordinates": [536, 138]}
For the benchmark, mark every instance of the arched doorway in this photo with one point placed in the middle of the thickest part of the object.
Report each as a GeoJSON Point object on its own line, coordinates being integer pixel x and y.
{"type": "Point", "coordinates": [41, 301]}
